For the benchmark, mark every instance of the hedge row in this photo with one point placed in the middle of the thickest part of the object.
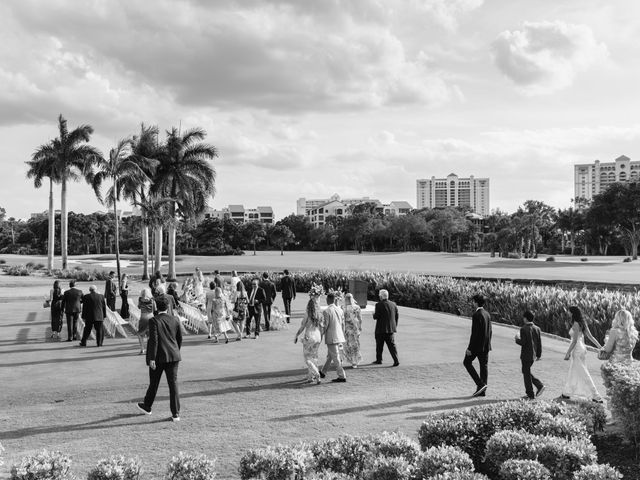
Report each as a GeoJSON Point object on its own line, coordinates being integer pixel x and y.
{"type": "Point", "coordinates": [622, 382]}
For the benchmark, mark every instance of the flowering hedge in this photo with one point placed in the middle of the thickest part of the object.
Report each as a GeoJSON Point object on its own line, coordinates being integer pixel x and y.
{"type": "Point", "coordinates": [45, 465]}
{"type": "Point", "coordinates": [597, 472]}
{"type": "Point", "coordinates": [190, 467]}
{"type": "Point", "coordinates": [514, 469]}
{"type": "Point", "coordinates": [506, 301]}
{"type": "Point", "coordinates": [443, 459]}
{"type": "Point", "coordinates": [623, 387]}
{"type": "Point", "coordinates": [116, 468]}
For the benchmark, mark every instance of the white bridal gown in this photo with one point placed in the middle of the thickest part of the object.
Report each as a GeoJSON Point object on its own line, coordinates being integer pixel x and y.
{"type": "Point", "coordinates": [579, 383]}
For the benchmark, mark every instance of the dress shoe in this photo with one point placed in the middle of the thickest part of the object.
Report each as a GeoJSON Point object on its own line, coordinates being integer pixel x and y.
{"type": "Point", "coordinates": [396, 364]}
{"type": "Point", "coordinates": [480, 392]}
{"type": "Point", "coordinates": [339, 380]}
{"type": "Point", "coordinates": [143, 409]}
{"type": "Point", "coordinates": [539, 391]}
{"type": "Point", "coordinates": [376, 362]}
{"type": "Point", "coordinates": [322, 374]}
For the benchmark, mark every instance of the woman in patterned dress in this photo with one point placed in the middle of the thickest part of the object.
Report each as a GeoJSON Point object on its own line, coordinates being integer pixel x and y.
{"type": "Point", "coordinates": [622, 338]}
{"type": "Point", "coordinates": [147, 305]}
{"type": "Point", "coordinates": [311, 325]}
{"type": "Point", "coordinates": [353, 328]}
{"type": "Point", "coordinates": [57, 309]}
{"type": "Point", "coordinates": [218, 313]}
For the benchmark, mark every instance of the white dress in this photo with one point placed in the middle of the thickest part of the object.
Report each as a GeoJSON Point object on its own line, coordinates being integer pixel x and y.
{"type": "Point", "coordinates": [579, 382]}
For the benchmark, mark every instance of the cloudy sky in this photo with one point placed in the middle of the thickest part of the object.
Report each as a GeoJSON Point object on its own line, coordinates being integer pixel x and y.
{"type": "Point", "coordinates": [307, 98]}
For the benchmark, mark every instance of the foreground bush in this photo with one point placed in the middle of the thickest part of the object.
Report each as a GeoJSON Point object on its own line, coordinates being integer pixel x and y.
{"type": "Point", "coordinates": [444, 459]}
{"type": "Point", "coordinates": [524, 470]}
{"type": "Point", "coordinates": [597, 472]}
{"type": "Point", "coordinates": [459, 476]}
{"type": "Point", "coordinates": [190, 467]}
{"type": "Point", "coordinates": [562, 457]}
{"type": "Point", "coordinates": [116, 468]}
{"type": "Point", "coordinates": [623, 387]}
{"type": "Point", "coordinates": [390, 468]}
{"type": "Point", "coordinates": [276, 463]}
{"type": "Point", "coordinates": [44, 465]}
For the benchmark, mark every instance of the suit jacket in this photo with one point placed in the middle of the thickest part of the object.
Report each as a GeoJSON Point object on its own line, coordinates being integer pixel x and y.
{"type": "Point", "coordinates": [110, 288]}
{"type": "Point", "coordinates": [260, 298]}
{"type": "Point", "coordinates": [480, 341]}
{"type": "Point", "coordinates": [269, 290]}
{"type": "Point", "coordinates": [165, 339]}
{"type": "Point", "coordinates": [288, 287]}
{"type": "Point", "coordinates": [171, 303]}
{"type": "Point", "coordinates": [94, 307]}
{"type": "Point", "coordinates": [333, 325]}
{"type": "Point", "coordinates": [530, 342]}
{"type": "Point", "coordinates": [386, 317]}
{"type": "Point", "coordinates": [72, 300]}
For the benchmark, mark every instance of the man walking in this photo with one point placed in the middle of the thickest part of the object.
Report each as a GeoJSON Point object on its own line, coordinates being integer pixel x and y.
{"type": "Point", "coordinates": [288, 289]}
{"type": "Point", "coordinates": [270, 295]}
{"type": "Point", "coordinates": [163, 355]}
{"type": "Point", "coordinates": [334, 338]}
{"type": "Point", "coordinates": [479, 346]}
{"type": "Point", "coordinates": [386, 317]}
{"type": "Point", "coordinates": [72, 302]}
{"type": "Point", "coordinates": [94, 310]}
{"type": "Point", "coordinates": [256, 298]}
{"type": "Point", "coordinates": [529, 340]}
{"type": "Point", "coordinates": [110, 289]}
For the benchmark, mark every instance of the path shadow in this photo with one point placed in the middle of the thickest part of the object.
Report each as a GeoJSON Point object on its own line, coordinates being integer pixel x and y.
{"type": "Point", "coordinates": [84, 358]}
{"type": "Point", "coordinates": [31, 317]}
{"type": "Point", "coordinates": [13, 325]}
{"type": "Point", "coordinates": [471, 402]}
{"type": "Point", "coordinates": [102, 424]}
{"type": "Point", "coordinates": [23, 334]}
{"type": "Point", "coordinates": [252, 376]}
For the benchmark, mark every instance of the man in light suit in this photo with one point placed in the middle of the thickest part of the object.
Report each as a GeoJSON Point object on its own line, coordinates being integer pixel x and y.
{"type": "Point", "coordinates": [110, 289]}
{"type": "Point", "coordinates": [257, 298]}
{"type": "Point", "coordinates": [163, 355]}
{"type": "Point", "coordinates": [479, 346]}
{"type": "Point", "coordinates": [386, 317]}
{"type": "Point", "coordinates": [72, 302]}
{"type": "Point", "coordinates": [333, 337]}
{"type": "Point", "coordinates": [94, 310]}
{"type": "Point", "coordinates": [288, 289]}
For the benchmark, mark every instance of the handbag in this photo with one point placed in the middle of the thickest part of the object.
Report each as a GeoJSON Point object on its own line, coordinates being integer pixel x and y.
{"type": "Point", "coordinates": [604, 355]}
{"type": "Point", "coordinates": [46, 303]}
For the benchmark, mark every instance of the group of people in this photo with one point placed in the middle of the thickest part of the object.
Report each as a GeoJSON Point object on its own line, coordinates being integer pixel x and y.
{"type": "Point", "coordinates": [618, 348]}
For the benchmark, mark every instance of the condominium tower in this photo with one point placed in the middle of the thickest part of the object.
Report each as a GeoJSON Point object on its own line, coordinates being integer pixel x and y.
{"type": "Point", "coordinates": [592, 178]}
{"type": "Point", "coordinates": [454, 192]}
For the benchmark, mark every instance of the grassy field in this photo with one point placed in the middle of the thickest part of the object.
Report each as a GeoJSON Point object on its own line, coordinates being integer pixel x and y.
{"type": "Point", "coordinates": [246, 394]}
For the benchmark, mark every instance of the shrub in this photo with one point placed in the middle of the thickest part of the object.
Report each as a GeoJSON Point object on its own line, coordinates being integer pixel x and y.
{"type": "Point", "coordinates": [116, 468]}
{"type": "Point", "coordinates": [436, 460]}
{"type": "Point", "coordinates": [18, 271]}
{"type": "Point", "coordinates": [514, 469]}
{"type": "Point", "coordinates": [597, 472]}
{"type": "Point", "coordinates": [623, 387]}
{"type": "Point", "coordinates": [79, 274]}
{"type": "Point", "coordinates": [562, 457]}
{"type": "Point", "coordinates": [2, 261]}
{"type": "Point", "coordinates": [394, 445]}
{"type": "Point", "coordinates": [44, 465]}
{"type": "Point", "coordinates": [276, 463]}
{"type": "Point", "coordinates": [459, 476]}
{"type": "Point", "coordinates": [550, 259]}
{"type": "Point", "coordinates": [592, 415]}
{"type": "Point", "coordinates": [1, 452]}
{"type": "Point", "coordinates": [329, 475]}
{"type": "Point", "coordinates": [190, 467]}
{"type": "Point", "coordinates": [389, 468]}
{"type": "Point", "coordinates": [584, 259]}
{"type": "Point", "coordinates": [626, 260]}
{"type": "Point", "coordinates": [345, 454]}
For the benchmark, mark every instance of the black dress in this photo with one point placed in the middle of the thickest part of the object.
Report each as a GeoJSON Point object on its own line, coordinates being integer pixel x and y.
{"type": "Point", "coordinates": [124, 295]}
{"type": "Point", "coordinates": [56, 310]}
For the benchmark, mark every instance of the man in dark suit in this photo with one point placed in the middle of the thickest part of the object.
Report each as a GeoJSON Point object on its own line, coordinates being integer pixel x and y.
{"type": "Point", "coordinates": [163, 355]}
{"type": "Point", "coordinates": [94, 310]}
{"type": "Point", "coordinates": [270, 295]}
{"type": "Point", "coordinates": [256, 298]}
{"type": "Point", "coordinates": [529, 340]}
{"type": "Point", "coordinates": [288, 289]}
{"type": "Point", "coordinates": [479, 346]}
{"type": "Point", "coordinates": [161, 292]}
{"type": "Point", "coordinates": [386, 317]}
{"type": "Point", "coordinates": [110, 289]}
{"type": "Point", "coordinates": [72, 303]}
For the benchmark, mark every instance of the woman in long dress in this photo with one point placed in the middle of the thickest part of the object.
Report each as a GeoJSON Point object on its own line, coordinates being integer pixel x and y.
{"type": "Point", "coordinates": [147, 305]}
{"type": "Point", "coordinates": [124, 296]}
{"type": "Point", "coordinates": [353, 328]}
{"type": "Point", "coordinates": [240, 307]}
{"type": "Point", "coordinates": [218, 313]}
{"type": "Point", "coordinates": [57, 310]}
{"type": "Point", "coordinates": [622, 338]}
{"type": "Point", "coordinates": [311, 326]}
{"type": "Point", "coordinates": [198, 285]}
{"type": "Point", "coordinates": [579, 382]}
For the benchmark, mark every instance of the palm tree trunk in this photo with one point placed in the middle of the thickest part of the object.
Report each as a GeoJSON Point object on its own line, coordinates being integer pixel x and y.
{"type": "Point", "coordinates": [115, 212]}
{"type": "Point", "coordinates": [171, 244]}
{"type": "Point", "coordinates": [52, 228]}
{"type": "Point", "coordinates": [63, 223]}
{"type": "Point", "coordinates": [145, 252]}
{"type": "Point", "coordinates": [157, 259]}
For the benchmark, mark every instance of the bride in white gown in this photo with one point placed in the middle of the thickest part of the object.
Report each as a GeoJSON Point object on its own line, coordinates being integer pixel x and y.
{"type": "Point", "coordinates": [579, 383]}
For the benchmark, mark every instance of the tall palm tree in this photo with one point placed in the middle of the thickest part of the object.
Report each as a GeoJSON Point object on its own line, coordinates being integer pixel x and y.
{"type": "Point", "coordinates": [41, 165]}
{"type": "Point", "coordinates": [121, 168]}
{"type": "Point", "coordinates": [73, 159]}
{"type": "Point", "coordinates": [186, 176]}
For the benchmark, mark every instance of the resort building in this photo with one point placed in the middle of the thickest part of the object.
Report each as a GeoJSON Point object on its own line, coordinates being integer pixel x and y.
{"type": "Point", "coordinates": [592, 178]}
{"type": "Point", "coordinates": [454, 192]}
{"type": "Point", "coordinates": [241, 214]}
{"type": "Point", "coordinates": [317, 211]}
{"type": "Point", "coordinates": [303, 205]}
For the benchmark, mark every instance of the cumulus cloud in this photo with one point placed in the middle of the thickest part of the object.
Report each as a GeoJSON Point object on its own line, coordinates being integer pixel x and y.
{"type": "Point", "coordinates": [544, 57]}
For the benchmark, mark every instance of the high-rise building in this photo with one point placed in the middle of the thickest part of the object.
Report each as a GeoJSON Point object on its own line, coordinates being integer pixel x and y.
{"type": "Point", "coordinates": [454, 192]}
{"type": "Point", "coordinates": [592, 178]}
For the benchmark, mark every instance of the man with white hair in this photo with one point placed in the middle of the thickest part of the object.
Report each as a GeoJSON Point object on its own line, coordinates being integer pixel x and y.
{"type": "Point", "coordinates": [386, 317]}
{"type": "Point", "coordinates": [94, 310]}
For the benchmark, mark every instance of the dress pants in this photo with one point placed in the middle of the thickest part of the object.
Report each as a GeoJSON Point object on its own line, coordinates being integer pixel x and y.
{"type": "Point", "coordinates": [72, 325]}
{"type": "Point", "coordinates": [254, 313]}
{"type": "Point", "coordinates": [171, 372]}
{"type": "Point", "coordinates": [266, 309]}
{"type": "Point", "coordinates": [111, 303]}
{"type": "Point", "coordinates": [287, 308]}
{"type": "Point", "coordinates": [333, 356]}
{"type": "Point", "coordinates": [529, 379]}
{"type": "Point", "coordinates": [124, 309]}
{"type": "Point", "coordinates": [89, 324]}
{"type": "Point", "coordinates": [389, 339]}
{"type": "Point", "coordinates": [483, 359]}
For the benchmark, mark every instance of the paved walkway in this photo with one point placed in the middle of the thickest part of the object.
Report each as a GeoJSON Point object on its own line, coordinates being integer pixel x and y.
{"type": "Point", "coordinates": [241, 395]}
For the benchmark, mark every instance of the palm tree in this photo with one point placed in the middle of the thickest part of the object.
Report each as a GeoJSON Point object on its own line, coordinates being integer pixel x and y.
{"type": "Point", "coordinates": [41, 165]}
{"type": "Point", "coordinates": [121, 168]}
{"type": "Point", "coordinates": [73, 159]}
{"type": "Point", "coordinates": [185, 176]}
